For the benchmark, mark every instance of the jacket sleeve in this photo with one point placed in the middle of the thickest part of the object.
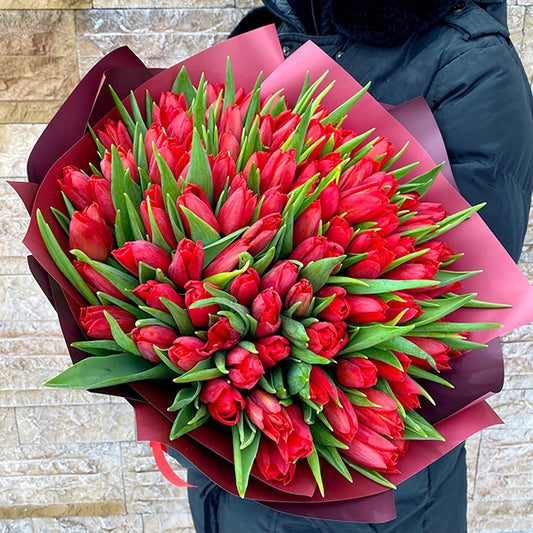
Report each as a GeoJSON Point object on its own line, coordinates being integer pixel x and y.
{"type": "Point", "coordinates": [482, 103]}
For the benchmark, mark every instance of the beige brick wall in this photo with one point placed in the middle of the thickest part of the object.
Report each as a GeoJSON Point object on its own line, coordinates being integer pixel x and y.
{"type": "Point", "coordinates": [69, 461]}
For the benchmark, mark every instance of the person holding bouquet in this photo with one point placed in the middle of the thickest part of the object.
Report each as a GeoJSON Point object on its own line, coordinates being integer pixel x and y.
{"type": "Point", "coordinates": [459, 57]}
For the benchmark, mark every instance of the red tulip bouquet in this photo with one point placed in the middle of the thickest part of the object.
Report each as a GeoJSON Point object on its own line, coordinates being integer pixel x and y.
{"type": "Point", "coordinates": [273, 275]}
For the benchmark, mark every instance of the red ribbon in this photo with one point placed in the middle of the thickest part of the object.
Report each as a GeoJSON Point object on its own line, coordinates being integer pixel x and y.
{"type": "Point", "coordinates": [159, 450]}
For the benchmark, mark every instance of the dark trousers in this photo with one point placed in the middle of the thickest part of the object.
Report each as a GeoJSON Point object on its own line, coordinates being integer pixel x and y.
{"type": "Point", "coordinates": [432, 501]}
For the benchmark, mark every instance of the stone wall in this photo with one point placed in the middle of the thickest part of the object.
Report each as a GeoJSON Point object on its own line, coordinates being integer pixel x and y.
{"type": "Point", "coordinates": [69, 460]}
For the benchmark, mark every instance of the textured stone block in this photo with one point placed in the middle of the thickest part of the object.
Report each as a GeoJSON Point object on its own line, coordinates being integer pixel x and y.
{"type": "Point", "coordinates": [161, 4]}
{"type": "Point", "coordinates": [515, 21]}
{"type": "Point", "coordinates": [147, 491]}
{"type": "Point", "coordinates": [89, 524]}
{"type": "Point", "coordinates": [160, 37]}
{"type": "Point", "coordinates": [22, 525]}
{"type": "Point", "coordinates": [46, 4]}
{"type": "Point", "coordinates": [61, 480]}
{"type": "Point", "coordinates": [17, 143]}
{"type": "Point", "coordinates": [169, 522]}
{"type": "Point", "coordinates": [8, 427]}
{"type": "Point", "coordinates": [503, 471]}
{"type": "Point", "coordinates": [515, 408]}
{"type": "Point", "coordinates": [500, 517]}
{"type": "Point", "coordinates": [518, 365]}
{"type": "Point", "coordinates": [39, 60]}
{"type": "Point", "coordinates": [76, 423]}
{"type": "Point", "coordinates": [14, 222]}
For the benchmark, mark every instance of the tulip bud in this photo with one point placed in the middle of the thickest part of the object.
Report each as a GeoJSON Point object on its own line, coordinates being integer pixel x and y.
{"type": "Point", "coordinates": [383, 417]}
{"type": "Point", "coordinates": [404, 304]}
{"type": "Point", "coordinates": [406, 392]}
{"type": "Point", "coordinates": [154, 135]}
{"type": "Point", "coordinates": [307, 224]}
{"type": "Point", "coordinates": [223, 401]}
{"type": "Point", "coordinates": [75, 185]}
{"type": "Point", "coordinates": [149, 336]}
{"type": "Point", "coordinates": [222, 170]}
{"type": "Point", "coordinates": [187, 263]}
{"type": "Point", "coordinates": [237, 210]}
{"type": "Point", "coordinates": [228, 259]}
{"type": "Point", "coordinates": [96, 281]}
{"type": "Point", "coordinates": [154, 195]}
{"type": "Point", "coordinates": [435, 348]}
{"type": "Point", "coordinates": [339, 231]}
{"type": "Point", "coordinates": [135, 252]}
{"type": "Point", "coordinates": [361, 205]}
{"type": "Point", "coordinates": [339, 308]}
{"type": "Point", "coordinates": [193, 198]}
{"type": "Point", "coordinates": [279, 170]}
{"type": "Point", "coordinates": [272, 350]}
{"type": "Point", "coordinates": [180, 128]}
{"type": "Point", "coordinates": [196, 291]}
{"type": "Point", "coordinates": [230, 145]}
{"type": "Point", "coordinates": [273, 201]}
{"type": "Point", "coordinates": [265, 411]}
{"type": "Point", "coordinates": [382, 147]}
{"type": "Point", "coordinates": [356, 372]}
{"type": "Point", "coordinates": [365, 308]}
{"type": "Point", "coordinates": [329, 201]}
{"type": "Point", "coordinates": [220, 336]}
{"type": "Point", "coordinates": [128, 161]}
{"type": "Point", "coordinates": [89, 233]}
{"type": "Point", "coordinates": [341, 417]}
{"type": "Point", "coordinates": [231, 121]}
{"type": "Point", "coordinates": [100, 190]}
{"type": "Point", "coordinates": [371, 450]}
{"type": "Point", "coordinates": [357, 173]}
{"type": "Point", "coordinates": [312, 249]}
{"type": "Point", "coordinates": [185, 352]}
{"type": "Point", "coordinates": [281, 277]}
{"type": "Point", "coordinates": [272, 465]}
{"type": "Point", "coordinates": [321, 388]}
{"type": "Point", "coordinates": [95, 324]}
{"type": "Point", "coordinates": [323, 339]}
{"type": "Point", "coordinates": [302, 293]}
{"type": "Point", "coordinates": [266, 309]}
{"type": "Point", "coordinates": [245, 286]}
{"type": "Point", "coordinates": [152, 291]}
{"type": "Point", "coordinates": [115, 133]}
{"type": "Point", "coordinates": [299, 443]}
{"type": "Point", "coordinates": [260, 233]}
{"type": "Point", "coordinates": [244, 367]}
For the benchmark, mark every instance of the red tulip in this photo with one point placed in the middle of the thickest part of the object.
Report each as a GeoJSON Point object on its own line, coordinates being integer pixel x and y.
{"type": "Point", "coordinates": [301, 292]}
{"type": "Point", "coordinates": [237, 210]}
{"type": "Point", "coordinates": [180, 128]}
{"type": "Point", "coordinates": [152, 291]}
{"type": "Point", "coordinates": [194, 199]}
{"type": "Point", "coordinates": [196, 291]}
{"type": "Point", "coordinates": [341, 417]}
{"type": "Point", "coordinates": [228, 259]}
{"type": "Point", "coordinates": [321, 387]}
{"type": "Point", "coordinates": [154, 197]}
{"type": "Point", "coordinates": [128, 161]}
{"type": "Point", "coordinates": [382, 147]}
{"type": "Point", "coordinates": [360, 204]}
{"type": "Point", "coordinates": [96, 281]}
{"type": "Point", "coordinates": [266, 309]}
{"type": "Point", "coordinates": [281, 277]}
{"type": "Point", "coordinates": [339, 232]}
{"type": "Point", "coordinates": [222, 170]}
{"type": "Point", "coordinates": [356, 174]}
{"type": "Point", "coordinates": [312, 249]}
{"type": "Point", "coordinates": [185, 352]}
{"type": "Point", "coordinates": [154, 135]}
{"type": "Point", "coordinates": [231, 121]}
{"type": "Point", "coordinates": [260, 233]}
{"type": "Point", "coordinates": [390, 372]}
{"type": "Point", "coordinates": [271, 350]}
{"type": "Point", "coordinates": [406, 392]}
{"type": "Point", "coordinates": [100, 190]}
{"type": "Point", "coordinates": [384, 417]}
{"type": "Point", "coordinates": [273, 201]}
{"type": "Point", "coordinates": [404, 304]}
{"type": "Point", "coordinates": [437, 349]}
{"type": "Point", "coordinates": [187, 263]}
{"type": "Point", "coordinates": [245, 286]}
{"type": "Point", "coordinates": [95, 324]}
{"type": "Point", "coordinates": [75, 185]}
{"type": "Point", "coordinates": [135, 252]}
{"type": "Point", "coordinates": [371, 450]}
{"type": "Point", "coordinates": [265, 411]}
{"type": "Point", "coordinates": [115, 133]}
{"type": "Point", "coordinates": [339, 308]}
{"type": "Point", "coordinates": [329, 201]}
{"type": "Point", "coordinates": [299, 442]}
{"type": "Point", "coordinates": [356, 372]}
{"type": "Point", "coordinates": [220, 336]}
{"type": "Point", "coordinates": [323, 339]}
{"type": "Point", "coordinates": [307, 224]}
{"type": "Point", "coordinates": [149, 336]}
{"type": "Point", "coordinates": [244, 367]}
{"type": "Point", "coordinates": [365, 308]}
{"type": "Point", "coordinates": [89, 233]}
{"type": "Point", "coordinates": [279, 170]}
{"type": "Point", "coordinates": [272, 465]}
{"type": "Point", "coordinates": [223, 401]}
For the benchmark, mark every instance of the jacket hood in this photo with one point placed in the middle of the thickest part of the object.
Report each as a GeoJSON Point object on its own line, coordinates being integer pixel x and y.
{"type": "Point", "coordinates": [386, 22]}
{"type": "Point", "coordinates": [375, 22]}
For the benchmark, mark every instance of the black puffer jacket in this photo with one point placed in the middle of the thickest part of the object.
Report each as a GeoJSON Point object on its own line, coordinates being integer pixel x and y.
{"type": "Point", "coordinates": [459, 57]}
